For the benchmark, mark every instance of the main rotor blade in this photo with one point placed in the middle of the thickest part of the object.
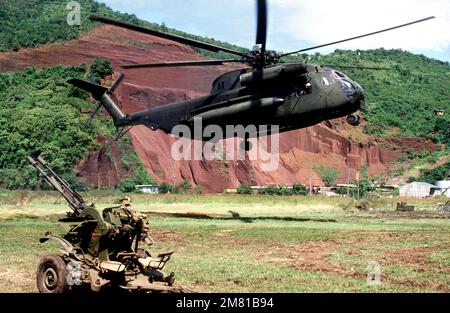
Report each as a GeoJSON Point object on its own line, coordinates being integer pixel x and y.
{"type": "Point", "coordinates": [357, 67]}
{"type": "Point", "coordinates": [261, 32]}
{"type": "Point", "coordinates": [178, 64]}
{"type": "Point", "coordinates": [361, 36]}
{"type": "Point", "coordinates": [176, 38]}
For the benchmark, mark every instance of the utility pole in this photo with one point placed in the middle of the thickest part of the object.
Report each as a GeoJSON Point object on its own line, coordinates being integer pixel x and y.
{"type": "Point", "coordinates": [357, 180]}
{"type": "Point", "coordinates": [348, 180]}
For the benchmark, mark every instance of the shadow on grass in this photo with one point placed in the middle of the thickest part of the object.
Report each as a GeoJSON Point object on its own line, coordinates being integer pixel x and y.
{"type": "Point", "coordinates": [237, 216]}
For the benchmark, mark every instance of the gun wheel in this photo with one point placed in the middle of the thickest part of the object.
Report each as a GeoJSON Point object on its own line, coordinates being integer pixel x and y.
{"type": "Point", "coordinates": [52, 275]}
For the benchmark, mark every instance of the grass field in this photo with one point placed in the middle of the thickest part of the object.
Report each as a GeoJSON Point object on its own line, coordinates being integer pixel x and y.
{"type": "Point", "coordinates": [230, 243]}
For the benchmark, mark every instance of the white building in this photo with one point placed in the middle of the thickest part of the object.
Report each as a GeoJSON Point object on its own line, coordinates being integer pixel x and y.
{"type": "Point", "coordinates": [443, 188]}
{"type": "Point", "coordinates": [417, 190]}
{"type": "Point", "coordinates": [151, 189]}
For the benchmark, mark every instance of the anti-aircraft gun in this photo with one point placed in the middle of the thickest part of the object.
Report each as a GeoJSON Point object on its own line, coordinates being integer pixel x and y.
{"type": "Point", "coordinates": [101, 248]}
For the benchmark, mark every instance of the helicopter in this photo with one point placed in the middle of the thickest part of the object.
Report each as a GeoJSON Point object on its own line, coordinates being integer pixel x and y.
{"type": "Point", "coordinates": [291, 95]}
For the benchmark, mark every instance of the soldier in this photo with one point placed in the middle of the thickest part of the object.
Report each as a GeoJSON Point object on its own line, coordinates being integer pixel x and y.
{"type": "Point", "coordinates": [134, 218]}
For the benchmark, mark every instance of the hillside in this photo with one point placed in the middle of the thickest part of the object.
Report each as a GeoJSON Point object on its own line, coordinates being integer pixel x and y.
{"type": "Point", "coordinates": [30, 23]}
{"type": "Point", "coordinates": [398, 105]}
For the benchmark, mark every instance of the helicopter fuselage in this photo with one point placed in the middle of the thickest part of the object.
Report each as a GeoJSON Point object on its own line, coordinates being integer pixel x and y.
{"type": "Point", "coordinates": [290, 96]}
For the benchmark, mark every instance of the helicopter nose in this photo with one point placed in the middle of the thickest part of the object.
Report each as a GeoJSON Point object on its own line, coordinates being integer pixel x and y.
{"type": "Point", "coordinates": [360, 96]}
{"type": "Point", "coordinates": [359, 92]}
{"type": "Point", "coordinates": [353, 91]}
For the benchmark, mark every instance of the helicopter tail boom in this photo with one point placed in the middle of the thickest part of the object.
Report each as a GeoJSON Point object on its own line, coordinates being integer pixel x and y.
{"type": "Point", "coordinates": [103, 95]}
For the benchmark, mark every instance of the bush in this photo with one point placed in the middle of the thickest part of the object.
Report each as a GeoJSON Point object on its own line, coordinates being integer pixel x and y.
{"type": "Point", "coordinates": [299, 189]}
{"type": "Point", "coordinates": [176, 190]}
{"type": "Point", "coordinates": [245, 189]}
{"type": "Point", "coordinates": [129, 184]}
{"type": "Point", "coordinates": [282, 190]}
{"type": "Point", "coordinates": [198, 190]}
{"type": "Point", "coordinates": [100, 69]}
{"type": "Point", "coordinates": [185, 185]}
{"type": "Point", "coordinates": [270, 190]}
{"type": "Point", "coordinates": [165, 188]}
{"type": "Point", "coordinates": [126, 185]}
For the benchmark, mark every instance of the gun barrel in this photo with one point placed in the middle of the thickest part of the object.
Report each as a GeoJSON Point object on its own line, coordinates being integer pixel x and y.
{"type": "Point", "coordinates": [73, 198]}
{"type": "Point", "coordinates": [31, 160]}
{"type": "Point", "coordinates": [41, 160]}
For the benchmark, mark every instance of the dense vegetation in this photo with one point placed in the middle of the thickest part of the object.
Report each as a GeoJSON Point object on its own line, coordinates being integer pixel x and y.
{"type": "Point", "coordinates": [433, 175]}
{"type": "Point", "coordinates": [28, 23]}
{"type": "Point", "coordinates": [40, 114]}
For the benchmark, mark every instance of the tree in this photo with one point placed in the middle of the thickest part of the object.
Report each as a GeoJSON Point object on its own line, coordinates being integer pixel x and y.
{"type": "Point", "coordinates": [127, 186]}
{"type": "Point", "coordinates": [443, 129]}
{"type": "Point", "coordinates": [365, 188]}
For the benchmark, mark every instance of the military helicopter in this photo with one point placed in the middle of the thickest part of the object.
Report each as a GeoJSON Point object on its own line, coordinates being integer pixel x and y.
{"type": "Point", "coordinates": [268, 92]}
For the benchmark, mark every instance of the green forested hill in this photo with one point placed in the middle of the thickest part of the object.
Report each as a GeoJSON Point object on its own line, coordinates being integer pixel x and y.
{"type": "Point", "coordinates": [28, 23]}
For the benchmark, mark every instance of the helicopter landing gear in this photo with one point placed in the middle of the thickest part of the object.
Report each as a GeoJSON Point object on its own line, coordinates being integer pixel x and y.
{"type": "Point", "coordinates": [354, 119]}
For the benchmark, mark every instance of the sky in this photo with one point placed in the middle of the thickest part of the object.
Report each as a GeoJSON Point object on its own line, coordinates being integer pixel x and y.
{"type": "Point", "coordinates": [297, 24]}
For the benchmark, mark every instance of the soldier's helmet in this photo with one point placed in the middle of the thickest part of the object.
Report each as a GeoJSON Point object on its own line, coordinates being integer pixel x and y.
{"type": "Point", "coordinates": [126, 201]}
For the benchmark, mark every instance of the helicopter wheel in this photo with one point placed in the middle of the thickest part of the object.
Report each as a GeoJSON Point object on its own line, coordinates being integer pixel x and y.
{"type": "Point", "coordinates": [354, 119]}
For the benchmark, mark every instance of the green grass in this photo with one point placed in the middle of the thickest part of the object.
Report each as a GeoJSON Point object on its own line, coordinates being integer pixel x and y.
{"type": "Point", "coordinates": [278, 245]}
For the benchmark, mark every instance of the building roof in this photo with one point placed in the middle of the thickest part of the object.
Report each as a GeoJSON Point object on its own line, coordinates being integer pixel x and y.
{"type": "Point", "coordinates": [418, 185]}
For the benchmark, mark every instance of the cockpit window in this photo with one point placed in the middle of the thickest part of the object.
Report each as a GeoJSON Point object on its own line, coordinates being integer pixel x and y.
{"type": "Point", "coordinates": [328, 78]}
{"type": "Point", "coordinates": [339, 75]}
